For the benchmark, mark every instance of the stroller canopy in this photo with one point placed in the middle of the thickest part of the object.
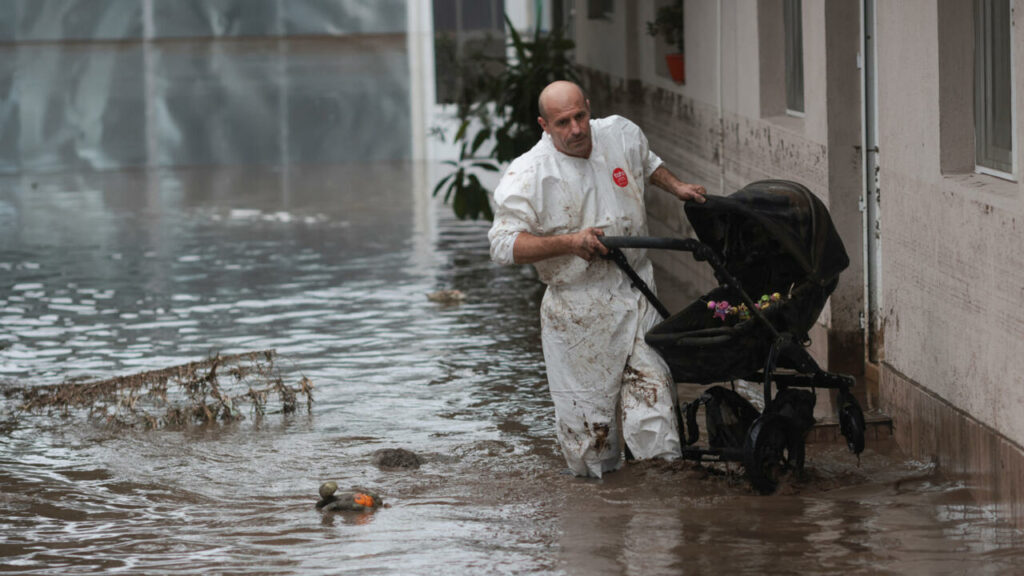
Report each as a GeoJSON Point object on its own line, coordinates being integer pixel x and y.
{"type": "Point", "coordinates": [771, 233]}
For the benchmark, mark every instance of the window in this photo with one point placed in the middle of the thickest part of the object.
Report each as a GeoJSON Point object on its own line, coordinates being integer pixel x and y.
{"type": "Point", "coordinates": [464, 29]}
{"type": "Point", "coordinates": [563, 17]}
{"type": "Point", "coordinates": [993, 87]}
{"type": "Point", "coordinates": [600, 9]}
{"type": "Point", "coordinates": [794, 57]}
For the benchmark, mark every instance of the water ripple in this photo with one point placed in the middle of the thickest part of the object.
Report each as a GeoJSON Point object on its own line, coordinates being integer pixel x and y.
{"type": "Point", "coordinates": [342, 297]}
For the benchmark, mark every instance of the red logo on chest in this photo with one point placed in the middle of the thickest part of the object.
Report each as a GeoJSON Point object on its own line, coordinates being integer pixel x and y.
{"type": "Point", "coordinates": [619, 175]}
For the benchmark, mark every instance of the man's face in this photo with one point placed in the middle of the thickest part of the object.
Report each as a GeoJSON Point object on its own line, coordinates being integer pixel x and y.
{"type": "Point", "coordinates": [568, 123]}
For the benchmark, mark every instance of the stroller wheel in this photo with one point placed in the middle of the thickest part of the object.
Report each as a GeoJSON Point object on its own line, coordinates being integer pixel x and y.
{"type": "Point", "coordinates": [773, 447]}
{"type": "Point", "coordinates": [851, 422]}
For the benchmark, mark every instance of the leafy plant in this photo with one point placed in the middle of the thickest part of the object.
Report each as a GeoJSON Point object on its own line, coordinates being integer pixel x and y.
{"type": "Point", "coordinates": [668, 23]}
{"type": "Point", "coordinates": [498, 104]}
{"type": "Point", "coordinates": [462, 187]}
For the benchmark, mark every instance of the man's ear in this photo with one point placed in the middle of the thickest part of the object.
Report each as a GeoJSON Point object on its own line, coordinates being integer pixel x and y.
{"type": "Point", "coordinates": [542, 122]}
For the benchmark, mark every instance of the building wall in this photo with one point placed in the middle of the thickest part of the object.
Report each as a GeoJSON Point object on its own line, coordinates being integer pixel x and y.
{"type": "Point", "coordinates": [953, 271]}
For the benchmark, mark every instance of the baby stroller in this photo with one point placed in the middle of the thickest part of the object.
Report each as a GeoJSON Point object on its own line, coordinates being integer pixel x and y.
{"type": "Point", "coordinates": [775, 239]}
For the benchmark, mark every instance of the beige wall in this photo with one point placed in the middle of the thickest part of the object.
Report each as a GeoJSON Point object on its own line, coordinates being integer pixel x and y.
{"type": "Point", "coordinates": [953, 268]}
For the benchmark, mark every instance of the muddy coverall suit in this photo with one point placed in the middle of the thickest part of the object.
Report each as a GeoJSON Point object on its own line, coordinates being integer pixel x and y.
{"type": "Point", "coordinates": [592, 321]}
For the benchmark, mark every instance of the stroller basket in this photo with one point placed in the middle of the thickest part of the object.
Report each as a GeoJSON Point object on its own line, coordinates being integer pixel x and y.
{"type": "Point", "coordinates": [701, 349]}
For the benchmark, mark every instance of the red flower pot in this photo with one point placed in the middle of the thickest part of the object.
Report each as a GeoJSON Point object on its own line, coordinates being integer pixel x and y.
{"type": "Point", "coordinates": [676, 67]}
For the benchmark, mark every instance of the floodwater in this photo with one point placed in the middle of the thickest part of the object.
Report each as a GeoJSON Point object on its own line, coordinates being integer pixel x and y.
{"type": "Point", "coordinates": [118, 272]}
{"type": "Point", "coordinates": [98, 282]}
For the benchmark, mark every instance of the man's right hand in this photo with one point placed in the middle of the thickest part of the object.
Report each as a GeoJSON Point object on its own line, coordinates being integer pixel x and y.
{"type": "Point", "coordinates": [587, 243]}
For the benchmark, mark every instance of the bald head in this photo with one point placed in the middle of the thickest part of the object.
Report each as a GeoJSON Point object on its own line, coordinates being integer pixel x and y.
{"type": "Point", "coordinates": [559, 92]}
{"type": "Point", "coordinates": [565, 116]}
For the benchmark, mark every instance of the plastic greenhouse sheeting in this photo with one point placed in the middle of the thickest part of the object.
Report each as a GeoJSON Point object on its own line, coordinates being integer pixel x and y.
{"type": "Point", "coordinates": [113, 84]}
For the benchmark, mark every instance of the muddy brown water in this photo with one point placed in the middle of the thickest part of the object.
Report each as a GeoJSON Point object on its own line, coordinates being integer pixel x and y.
{"type": "Point", "coordinates": [100, 279]}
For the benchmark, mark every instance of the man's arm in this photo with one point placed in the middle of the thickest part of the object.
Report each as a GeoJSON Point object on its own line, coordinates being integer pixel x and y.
{"type": "Point", "coordinates": [529, 248]}
{"type": "Point", "coordinates": [667, 181]}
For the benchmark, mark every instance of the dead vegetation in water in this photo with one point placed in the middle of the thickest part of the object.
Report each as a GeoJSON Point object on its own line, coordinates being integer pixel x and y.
{"type": "Point", "coordinates": [217, 389]}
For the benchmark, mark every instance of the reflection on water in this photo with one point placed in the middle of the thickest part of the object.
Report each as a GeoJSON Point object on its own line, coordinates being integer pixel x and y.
{"type": "Point", "coordinates": [100, 279]}
{"type": "Point", "coordinates": [106, 278]}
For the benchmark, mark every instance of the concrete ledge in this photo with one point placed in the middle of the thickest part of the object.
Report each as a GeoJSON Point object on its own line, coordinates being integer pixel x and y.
{"type": "Point", "coordinates": [927, 427]}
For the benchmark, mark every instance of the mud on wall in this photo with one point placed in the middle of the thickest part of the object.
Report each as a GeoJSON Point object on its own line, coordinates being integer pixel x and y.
{"type": "Point", "coordinates": [954, 283]}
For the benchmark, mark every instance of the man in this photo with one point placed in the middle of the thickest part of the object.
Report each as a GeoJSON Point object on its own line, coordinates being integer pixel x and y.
{"type": "Point", "coordinates": [583, 179]}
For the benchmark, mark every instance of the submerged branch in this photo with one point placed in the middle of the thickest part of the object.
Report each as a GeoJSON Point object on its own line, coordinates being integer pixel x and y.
{"type": "Point", "coordinates": [208, 391]}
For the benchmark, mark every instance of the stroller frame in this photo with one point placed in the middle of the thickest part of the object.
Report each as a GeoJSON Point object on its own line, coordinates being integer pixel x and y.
{"type": "Point", "coordinates": [774, 442]}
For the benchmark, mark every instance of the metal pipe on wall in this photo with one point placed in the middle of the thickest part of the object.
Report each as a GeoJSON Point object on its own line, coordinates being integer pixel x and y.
{"type": "Point", "coordinates": [721, 114]}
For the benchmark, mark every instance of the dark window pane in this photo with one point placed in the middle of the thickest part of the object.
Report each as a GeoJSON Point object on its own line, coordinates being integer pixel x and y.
{"type": "Point", "coordinates": [794, 55]}
{"type": "Point", "coordinates": [444, 16]}
{"type": "Point", "coordinates": [477, 15]}
{"type": "Point", "coordinates": [464, 31]}
{"type": "Point", "coordinates": [597, 9]}
{"type": "Point", "coordinates": [992, 87]}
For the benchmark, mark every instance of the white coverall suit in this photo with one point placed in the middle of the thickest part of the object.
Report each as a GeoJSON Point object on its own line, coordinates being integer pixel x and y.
{"type": "Point", "coordinates": [592, 321]}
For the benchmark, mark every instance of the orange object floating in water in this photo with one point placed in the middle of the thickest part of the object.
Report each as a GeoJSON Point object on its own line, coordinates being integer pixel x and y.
{"type": "Point", "coordinates": [363, 499]}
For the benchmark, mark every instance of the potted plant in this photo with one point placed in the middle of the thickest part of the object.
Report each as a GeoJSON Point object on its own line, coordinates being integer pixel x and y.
{"type": "Point", "coordinates": [669, 24]}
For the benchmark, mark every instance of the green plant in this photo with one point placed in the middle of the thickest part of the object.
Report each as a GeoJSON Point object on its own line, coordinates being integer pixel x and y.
{"type": "Point", "coordinates": [498, 104]}
{"type": "Point", "coordinates": [668, 23]}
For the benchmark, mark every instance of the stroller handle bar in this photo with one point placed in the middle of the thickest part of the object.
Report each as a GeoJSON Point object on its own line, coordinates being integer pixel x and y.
{"type": "Point", "coordinates": [658, 243]}
{"type": "Point", "coordinates": [615, 243]}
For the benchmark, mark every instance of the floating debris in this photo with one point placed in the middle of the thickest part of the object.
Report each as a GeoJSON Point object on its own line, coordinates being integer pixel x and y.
{"type": "Point", "coordinates": [208, 391]}
{"type": "Point", "coordinates": [395, 458]}
{"type": "Point", "coordinates": [358, 500]}
{"type": "Point", "coordinates": [446, 296]}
